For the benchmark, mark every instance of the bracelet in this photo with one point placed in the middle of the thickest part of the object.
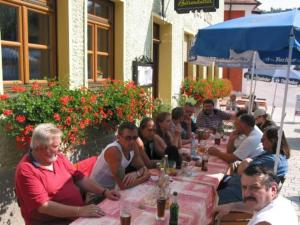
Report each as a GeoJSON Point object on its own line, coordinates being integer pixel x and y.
{"type": "Point", "coordinates": [78, 211]}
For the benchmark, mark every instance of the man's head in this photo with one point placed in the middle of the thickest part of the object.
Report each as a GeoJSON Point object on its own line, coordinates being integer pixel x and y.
{"type": "Point", "coordinates": [208, 106]}
{"type": "Point", "coordinates": [245, 123]}
{"type": "Point", "coordinates": [260, 116]}
{"type": "Point", "coordinates": [45, 142]}
{"type": "Point", "coordinates": [233, 97]}
{"type": "Point", "coordinates": [259, 187]}
{"type": "Point", "coordinates": [177, 114]}
{"type": "Point", "coordinates": [127, 135]}
{"type": "Point", "coordinates": [189, 110]}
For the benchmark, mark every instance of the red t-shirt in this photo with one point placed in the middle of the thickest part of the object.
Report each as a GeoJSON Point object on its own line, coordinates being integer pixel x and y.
{"type": "Point", "coordinates": [36, 185]}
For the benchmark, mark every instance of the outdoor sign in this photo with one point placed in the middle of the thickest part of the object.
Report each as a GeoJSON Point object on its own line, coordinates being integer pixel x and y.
{"type": "Point", "coordinates": [297, 107]}
{"type": "Point", "coordinates": [185, 6]}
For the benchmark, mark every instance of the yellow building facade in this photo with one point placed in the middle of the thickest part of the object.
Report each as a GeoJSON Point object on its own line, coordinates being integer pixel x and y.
{"type": "Point", "coordinates": [83, 42]}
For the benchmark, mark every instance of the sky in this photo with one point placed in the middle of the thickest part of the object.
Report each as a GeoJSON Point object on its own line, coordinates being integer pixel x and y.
{"type": "Point", "coordinates": [283, 4]}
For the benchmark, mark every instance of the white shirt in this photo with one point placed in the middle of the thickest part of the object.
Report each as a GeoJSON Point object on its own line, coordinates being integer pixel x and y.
{"type": "Point", "coordinates": [279, 212]}
{"type": "Point", "coordinates": [101, 172]}
{"type": "Point", "coordinates": [251, 146]}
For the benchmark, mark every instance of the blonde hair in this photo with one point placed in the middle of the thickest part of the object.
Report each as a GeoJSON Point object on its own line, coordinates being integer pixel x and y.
{"type": "Point", "coordinates": [43, 134]}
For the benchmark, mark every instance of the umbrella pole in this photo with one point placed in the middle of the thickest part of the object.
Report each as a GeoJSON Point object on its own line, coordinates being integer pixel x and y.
{"type": "Point", "coordinates": [273, 103]}
{"type": "Point", "coordinates": [292, 39]}
{"type": "Point", "coordinates": [251, 84]}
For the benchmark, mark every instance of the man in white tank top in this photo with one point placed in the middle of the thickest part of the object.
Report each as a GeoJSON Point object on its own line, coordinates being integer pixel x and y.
{"type": "Point", "coordinates": [260, 197]}
{"type": "Point", "coordinates": [109, 169]}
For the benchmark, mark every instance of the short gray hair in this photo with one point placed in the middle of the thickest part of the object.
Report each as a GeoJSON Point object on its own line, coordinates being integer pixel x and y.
{"type": "Point", "coordinates": [43, 134]}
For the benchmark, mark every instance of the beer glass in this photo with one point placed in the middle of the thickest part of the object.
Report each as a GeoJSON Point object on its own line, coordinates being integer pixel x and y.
{"type": "Point", "coordinates": [125, 213]}
{"type": "Point", "coordinates": [161, 205]}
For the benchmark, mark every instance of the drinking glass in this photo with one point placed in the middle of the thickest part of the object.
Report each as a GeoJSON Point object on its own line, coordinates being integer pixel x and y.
{"type": "Point", "coordinates": [161, 205]}
{"type": "Point", "coordinates": [125, 213]}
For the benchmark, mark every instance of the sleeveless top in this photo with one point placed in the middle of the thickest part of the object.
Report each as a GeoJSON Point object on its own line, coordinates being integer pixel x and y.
{"type": "Point", "coordinates": [101, 172]}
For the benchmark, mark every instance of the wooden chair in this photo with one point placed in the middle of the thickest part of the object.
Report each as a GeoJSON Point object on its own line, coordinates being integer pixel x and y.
{"type": "Point", "coordinates": [234, 218]}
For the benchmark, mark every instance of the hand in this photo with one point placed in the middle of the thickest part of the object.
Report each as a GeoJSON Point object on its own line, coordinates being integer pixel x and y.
{"type": "Point", "coordinates": [178, 129]}
{"type": "Point", "coordinates": [112, 195]}
{"type": "Point", "coordinates": [90, 211]}
{"type": "Point", "coordinates": [233, 135]}
{"type": "Point", "coordinates": [222, 210]}
{"type": "Point", "coordinates": [129, 178]}
{"type": "Point", "coordinates": [213, 151]}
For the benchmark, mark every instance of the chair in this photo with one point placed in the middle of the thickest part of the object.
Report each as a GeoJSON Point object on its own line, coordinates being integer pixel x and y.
{"type": "Point", "coordinates": [86, 166]}
{"type": "Point", "coordinates": [234, 218]}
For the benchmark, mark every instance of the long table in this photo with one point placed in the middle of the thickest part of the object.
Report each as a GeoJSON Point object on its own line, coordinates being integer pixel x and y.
{"type": "Point", "coordinates": [197, 198]}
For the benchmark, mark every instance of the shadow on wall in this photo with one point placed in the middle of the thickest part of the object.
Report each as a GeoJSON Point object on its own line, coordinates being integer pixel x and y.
{"type": "Point", "coordinates": [97, 139]}
{"type": "Point", "coordinates": [294, 143]}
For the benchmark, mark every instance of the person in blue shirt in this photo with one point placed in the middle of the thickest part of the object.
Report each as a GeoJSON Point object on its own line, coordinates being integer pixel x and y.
{"type": "Point", "coordinates": [231, 191]}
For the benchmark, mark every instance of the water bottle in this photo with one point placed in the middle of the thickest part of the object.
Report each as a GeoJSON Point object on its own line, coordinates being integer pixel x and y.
{"type": "Point", "coordinates": [193, 147]}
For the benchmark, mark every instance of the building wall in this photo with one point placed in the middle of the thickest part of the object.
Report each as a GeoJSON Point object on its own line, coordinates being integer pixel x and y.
{"type": "Point", "coordinates": [139, 17]}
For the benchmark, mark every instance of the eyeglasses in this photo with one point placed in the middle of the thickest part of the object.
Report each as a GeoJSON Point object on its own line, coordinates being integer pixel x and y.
{"type": "Point", "coordinates": [130, 138]}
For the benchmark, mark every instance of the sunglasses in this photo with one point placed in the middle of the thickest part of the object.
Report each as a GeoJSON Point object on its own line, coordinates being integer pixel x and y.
{"type": "Point", "coordinates": [130, 138]}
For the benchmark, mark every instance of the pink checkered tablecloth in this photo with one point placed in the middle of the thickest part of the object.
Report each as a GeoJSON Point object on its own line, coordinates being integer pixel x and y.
{"type": "Point", "coordinates": [196, 198]}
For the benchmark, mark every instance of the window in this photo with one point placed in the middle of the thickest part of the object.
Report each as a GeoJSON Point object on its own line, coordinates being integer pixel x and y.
{"type": "Point", "coordinates": [100, 40]}
{"type": "Point", "coordinates": [27, 40]}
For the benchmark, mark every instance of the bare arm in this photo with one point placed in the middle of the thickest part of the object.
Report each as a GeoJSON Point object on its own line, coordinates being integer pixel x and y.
{"type": "Point", "coordinates": [228, 157]}
{"type": "Point", "coordinates": [65, 211]}
{"type": "Point", "coordinates": [230, 145]}
{"type": "Point", "coordinates": [159, 145]}
{"type": "Point", "coordinates": [113, 158]}
{"type": "Point", "coordinates": [141, 150]}
{"type": "Point", "coordinates": [244, 164]}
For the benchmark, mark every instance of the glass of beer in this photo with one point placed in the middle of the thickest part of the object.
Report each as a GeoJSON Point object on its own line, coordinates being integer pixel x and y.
{"type": "Point", "coordinates": [201, 147]}
{"type": "Point", "coordinates": [125, 213]}
{"type": "Point", "coordinates": [161, 205]}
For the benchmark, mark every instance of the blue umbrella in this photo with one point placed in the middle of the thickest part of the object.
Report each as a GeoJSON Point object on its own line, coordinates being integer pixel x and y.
{"type": "Point", "coordinates": [269, 39]}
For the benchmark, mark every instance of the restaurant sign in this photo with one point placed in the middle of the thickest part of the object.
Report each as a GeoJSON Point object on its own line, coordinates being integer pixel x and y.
{"type": "Point", "coordinates": [185, 6]}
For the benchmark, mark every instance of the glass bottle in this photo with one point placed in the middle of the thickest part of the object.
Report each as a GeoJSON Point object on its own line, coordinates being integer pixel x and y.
{"type": "Point", "coordinates": [204, 161]}
{"type": "Point", "coordinates": [193, 147]}
{"type": "Point", "coordinates": [166, 164]}
{"type": "Point", "coordinates": [174, 210]}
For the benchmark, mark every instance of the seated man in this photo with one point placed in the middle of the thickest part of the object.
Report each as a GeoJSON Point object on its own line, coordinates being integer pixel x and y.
{"type": "Point", "coordinates": [231, 103]}
{"type": "Point", "coordinates": [109, 169]}
{"type": "Point", "coordinates": [250, 147]}
{"type": "Point", "coordinates": [210, 117]}
{"type": "Point", "coordinates": [188, 125]}
{"type": "Point", "coordinates": [260, 196]}
{"type": "Point", "coordinates": [262, 119]}
{"type": "Point", "coordinates": [46, 183]}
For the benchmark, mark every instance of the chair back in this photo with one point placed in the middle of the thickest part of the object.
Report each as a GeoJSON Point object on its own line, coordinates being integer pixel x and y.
{"type": "Point", "coordinates": [86, 166]}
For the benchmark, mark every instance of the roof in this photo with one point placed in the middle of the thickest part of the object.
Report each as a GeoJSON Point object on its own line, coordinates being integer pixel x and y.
{"type": "Point", "coordinates": [242, 2]}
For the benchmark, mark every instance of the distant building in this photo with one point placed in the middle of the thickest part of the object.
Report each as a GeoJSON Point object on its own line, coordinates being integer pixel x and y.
{"type": "Point", "coordinates": [234, 9]}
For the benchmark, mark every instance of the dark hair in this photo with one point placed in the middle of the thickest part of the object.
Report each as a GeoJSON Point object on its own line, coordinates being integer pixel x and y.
{"type": "Point", "coordinates": [208, 101]}
{"type": "Point", "coordinates": [271, 133]}
{"type": "Point", "coordinates": [241, 112]}
{"type": "Point", "coordinates": [258, 170]}
{"type": "Point", "coordinates": [143, 125]}
{"type": "Point", "coordinates": [159, 119]}
{"type": "Point", "coordinates": [177, 113]}
{"type": "Point", "coordinates": [247, 119]}
{"type": "Point", "coordinates": [126, 125]}
{"type": "Point", "coordinates": [189, 104]}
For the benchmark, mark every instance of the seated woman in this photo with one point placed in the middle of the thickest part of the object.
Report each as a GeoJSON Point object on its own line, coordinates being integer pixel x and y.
{"type": "Point", "coordinates": [232, 192]}
{"type": "Point", "coordinates": [152, 147]}
{"type": "Point", "coordinates": [262, 119]}
{"type": "Point", "coordinates": [171, 138]}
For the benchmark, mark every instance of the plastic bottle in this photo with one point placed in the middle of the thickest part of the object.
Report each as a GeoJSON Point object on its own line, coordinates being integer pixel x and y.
{"type": "Point", "coordinates": [174, 210]}
{"type": "Point", "coordinates": [193, 147]}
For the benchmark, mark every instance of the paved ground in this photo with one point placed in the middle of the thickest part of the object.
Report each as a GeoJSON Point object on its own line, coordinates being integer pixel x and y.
{"type": "Point", "coordinates": [291, 187]}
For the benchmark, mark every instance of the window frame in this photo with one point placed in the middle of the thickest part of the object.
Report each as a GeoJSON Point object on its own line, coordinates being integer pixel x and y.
{"type": "Point", "coordinates": [45, 7]}
{"type": "Point", "coordinates": [96, 23]}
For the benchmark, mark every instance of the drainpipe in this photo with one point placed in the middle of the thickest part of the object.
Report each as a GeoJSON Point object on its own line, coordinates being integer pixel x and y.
{"type": "Point", "coordinates": [163, 8]}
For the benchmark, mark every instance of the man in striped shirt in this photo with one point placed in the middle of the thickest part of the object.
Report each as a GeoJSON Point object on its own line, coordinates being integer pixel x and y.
{"type": "Point", "coordinates": [210, 117]}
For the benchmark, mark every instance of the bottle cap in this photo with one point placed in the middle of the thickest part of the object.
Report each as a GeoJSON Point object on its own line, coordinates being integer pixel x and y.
{"type": "Point", "coordinates": [175, 193]}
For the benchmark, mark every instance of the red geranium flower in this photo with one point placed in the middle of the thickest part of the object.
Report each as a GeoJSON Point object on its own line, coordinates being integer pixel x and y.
{"type": "Point", "coordinates": [56, 117]}
{"type": "Point", "coordinates": [20, 118]}
{"type": "Point", "coordinates": [7, 112]}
